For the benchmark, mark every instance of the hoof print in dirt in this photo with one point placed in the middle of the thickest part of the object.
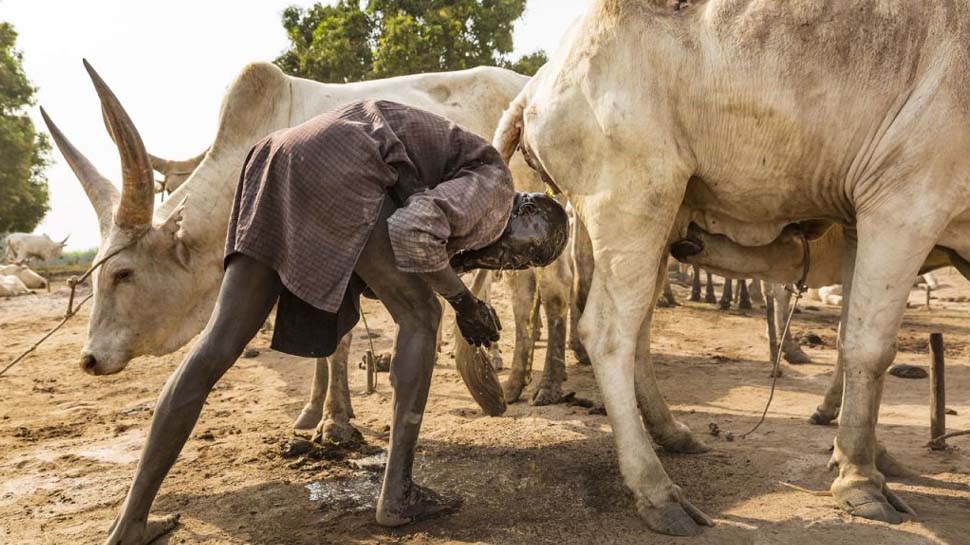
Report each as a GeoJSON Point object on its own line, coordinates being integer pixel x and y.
{"type": "Point", "coordinates": [908, 371]}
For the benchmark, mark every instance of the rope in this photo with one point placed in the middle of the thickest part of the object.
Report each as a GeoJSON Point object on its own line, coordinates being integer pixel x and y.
{"type": "Point", "coordinates": [370, 338]}
{"type": "Point", "coordinates": [71, 309]}
{"type": "Point", "coordinates": [798, 292]}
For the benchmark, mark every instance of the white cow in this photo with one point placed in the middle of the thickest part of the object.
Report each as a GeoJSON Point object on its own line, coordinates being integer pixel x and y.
{"type": "Point", "coordinates": [11, 285]}
{"type": "Point", "coordinates": [158, 292]}
{"type": "Point", "coordinates": [30, 279]}
{"type": "Point", "coordinates": [744, 117]}
{"type": "Point", "coordinates": [22, 247]}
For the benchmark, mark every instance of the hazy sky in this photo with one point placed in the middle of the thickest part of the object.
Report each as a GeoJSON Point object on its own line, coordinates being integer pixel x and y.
{"type": "Point", "coordinates": [169, 62]}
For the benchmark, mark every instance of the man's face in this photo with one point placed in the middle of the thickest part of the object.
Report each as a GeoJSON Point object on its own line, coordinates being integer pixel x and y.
{"type": "Point", "coordinates": [534, 236]}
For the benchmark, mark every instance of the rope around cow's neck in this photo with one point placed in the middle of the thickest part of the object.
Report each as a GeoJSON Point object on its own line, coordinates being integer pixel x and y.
{"type": "Point", "coordinates": [798, 291]}
{"type": "Point", "coordinates": [72, 310]}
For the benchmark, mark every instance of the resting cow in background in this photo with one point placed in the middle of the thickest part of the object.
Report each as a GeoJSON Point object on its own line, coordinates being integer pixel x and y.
{"type": "Point", "coordinates": [24, 247]}
{"type": "Point", "coordinates": [655, 114]}
{"type": "Point", "coordinates": [172, 274]}
{"type": "Point", "coordinates": [30, 279]}
{"type": "Point", "coordinates": [412, 199]}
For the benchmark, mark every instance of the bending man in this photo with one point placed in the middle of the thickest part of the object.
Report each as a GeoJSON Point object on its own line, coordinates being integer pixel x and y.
{"type": "Point", "coordinates": [377, 196]}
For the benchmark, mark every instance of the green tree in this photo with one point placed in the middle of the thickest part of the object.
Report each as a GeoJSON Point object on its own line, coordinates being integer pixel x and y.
{"type": "Point", "coordinates": [23, 151]}
{"type": "Point", "coordinates": [355, 40]}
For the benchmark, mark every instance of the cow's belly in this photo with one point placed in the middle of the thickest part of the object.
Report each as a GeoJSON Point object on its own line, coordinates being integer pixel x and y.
{"type": "Point", "coordinates": [754, 211]}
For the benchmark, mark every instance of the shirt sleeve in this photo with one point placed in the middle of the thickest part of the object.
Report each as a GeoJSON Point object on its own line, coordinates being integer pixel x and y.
{"type": "Point", "coordinates": [467, 212]}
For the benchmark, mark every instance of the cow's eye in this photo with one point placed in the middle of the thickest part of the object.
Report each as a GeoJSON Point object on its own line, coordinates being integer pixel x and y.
{"type": "Point", "coordinates": [122, 276]}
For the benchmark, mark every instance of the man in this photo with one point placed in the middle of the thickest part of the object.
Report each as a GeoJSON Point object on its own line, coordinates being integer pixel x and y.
{"type": "Point", "coordinates": [377, 196]}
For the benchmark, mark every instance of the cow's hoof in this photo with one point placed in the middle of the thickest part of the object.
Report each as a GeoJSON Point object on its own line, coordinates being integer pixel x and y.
{"type": "Point", "coordinates": [873, 505]}
{"type": "Point", "coordinates": [309, 418]}
{"type": "Point", "coordinates": [547, 395]}
{"type": "Point", "coordinates": [663, 302]}
{"type": "Point", "coordinates": [682, 441]}
{"type": "Point", "coordinates": [679, 518]}
{"type": "Point", "coordinates": [795, 356]}
{"type": "Point", "coordinates": [579, 351]}
{"type": "Point", "coordinates": [142, 533]}
{"type": "Point", "coordinates": [513, 388]}
{"type": "Point", "coordinates": [339, 434]}
{"type": "Point", "coordinates": [421, 504]}
{"type": "Point", "coordinates": [822, 418]}
{"type": "Point", "coordinates": [710, 299]}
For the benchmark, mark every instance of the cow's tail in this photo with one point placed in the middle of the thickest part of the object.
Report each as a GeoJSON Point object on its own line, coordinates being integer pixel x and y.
{"type": "Point", "coordinates": [509, 131]}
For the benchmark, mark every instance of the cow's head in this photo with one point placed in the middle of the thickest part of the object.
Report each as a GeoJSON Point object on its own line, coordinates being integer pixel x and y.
{"type": "Point", "coordinates": [147, 299]}
{"type": "Point", "coordinates": [175, 172]}
{"type": "Point", "coordinates": [56, 248]}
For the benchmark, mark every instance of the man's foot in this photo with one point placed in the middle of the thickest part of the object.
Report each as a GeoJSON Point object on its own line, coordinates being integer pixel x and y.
{"type": "Point", "coordinates": [421, 504]}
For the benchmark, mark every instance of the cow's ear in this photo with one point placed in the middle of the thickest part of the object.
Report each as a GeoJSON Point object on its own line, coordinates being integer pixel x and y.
{"type": "Point", "coordinates": [173, 222]}
{"type": "Point", "coordinates": [171, 228]}
{"type": "Point", "coordinates": [182, 253]}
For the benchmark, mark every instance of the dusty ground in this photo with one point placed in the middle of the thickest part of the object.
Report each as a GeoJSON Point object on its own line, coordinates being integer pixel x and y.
{"type": "Point", "coordinates": [69, 444]}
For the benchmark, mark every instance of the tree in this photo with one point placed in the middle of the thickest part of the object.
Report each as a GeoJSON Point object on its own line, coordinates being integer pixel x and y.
{"type": "Point", "coordinates": [23, 151]}
{"type": "Point", "coordinates": [355, 40]}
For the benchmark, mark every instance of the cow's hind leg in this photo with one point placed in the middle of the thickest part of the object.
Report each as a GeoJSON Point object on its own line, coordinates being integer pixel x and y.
{"type": "Point", "coordinates": [665, 430]}
{"type": "Point", "coordinates": [790, 349]}
{"type": "Point", "coordinates": [727, 295]}
{"type": "Point", "coordinates": [312, 412]}
{"type": "Point", "coordinates": [695, 284]}
{"type": "Point", "coordinates": [744, 299]}
{"type": "Point", "coordinates": [523, 287]}
{"type": "Point", "coordinates": [554, 288]}
{"type": "Point", "coordinates": [335, 428]}
{"type": "Point", "coordinates": [709, 296]}
{"type": "Point", "coordinates": [891, 247]}
{"type": "Point", "coordinates": [582, 256]}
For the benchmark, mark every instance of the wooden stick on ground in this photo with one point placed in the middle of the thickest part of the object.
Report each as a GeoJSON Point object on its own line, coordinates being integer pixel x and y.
{"type": "Point", "coordinates": [937, 393]}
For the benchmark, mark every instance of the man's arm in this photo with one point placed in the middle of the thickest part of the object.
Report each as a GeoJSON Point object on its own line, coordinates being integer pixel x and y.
{"type": "Point", "coordinates": [477, 321]}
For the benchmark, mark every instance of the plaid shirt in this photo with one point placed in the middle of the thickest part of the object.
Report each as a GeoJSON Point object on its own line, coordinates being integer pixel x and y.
{"type": "Point", "coordinates": [309, 195]}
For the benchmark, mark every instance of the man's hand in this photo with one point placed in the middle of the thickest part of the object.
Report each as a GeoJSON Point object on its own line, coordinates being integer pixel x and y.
{"type": "Point", "coordinates": [477, 321]}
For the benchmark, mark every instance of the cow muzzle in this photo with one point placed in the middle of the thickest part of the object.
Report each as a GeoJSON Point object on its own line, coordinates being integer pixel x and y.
{"type": "Point", "coordinates": [93, 366]}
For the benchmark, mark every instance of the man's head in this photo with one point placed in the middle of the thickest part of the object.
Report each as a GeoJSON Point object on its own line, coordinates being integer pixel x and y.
{"type": "Point", "coordinates": [534, 237]}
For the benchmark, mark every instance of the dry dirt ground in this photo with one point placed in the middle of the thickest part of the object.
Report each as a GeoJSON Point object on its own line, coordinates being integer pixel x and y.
{"type": "Point", "coordinates": [69, 444]}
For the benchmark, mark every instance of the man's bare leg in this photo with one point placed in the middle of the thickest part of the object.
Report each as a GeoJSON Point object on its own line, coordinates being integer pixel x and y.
{"type": "Point", "coordinates": [415, 308]}
{"type": "Point", "coordinates": [247, 296]}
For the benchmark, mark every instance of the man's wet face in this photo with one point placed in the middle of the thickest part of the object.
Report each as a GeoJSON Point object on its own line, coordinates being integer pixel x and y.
{"type": "Point", "coordinates": [534, 236]}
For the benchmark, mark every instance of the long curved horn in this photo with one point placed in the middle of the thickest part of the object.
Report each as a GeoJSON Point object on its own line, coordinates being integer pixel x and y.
{"type": "Point", "coordinates": [101, 192]}
{"type": "Point", "coordinates": [138, 183]}
{"type": "Point", "coordinates": [168, 166]}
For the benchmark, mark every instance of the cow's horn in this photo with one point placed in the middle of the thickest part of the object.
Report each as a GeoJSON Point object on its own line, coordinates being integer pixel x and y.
{"type": "Point", "coordinates": [138, 182]}
{"type": "Point", "coordinates": [167, 166]}
{"type": "Point", "coordinates": [101, 192]}
{"type": "Point", "coordinates": [63, 242]}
